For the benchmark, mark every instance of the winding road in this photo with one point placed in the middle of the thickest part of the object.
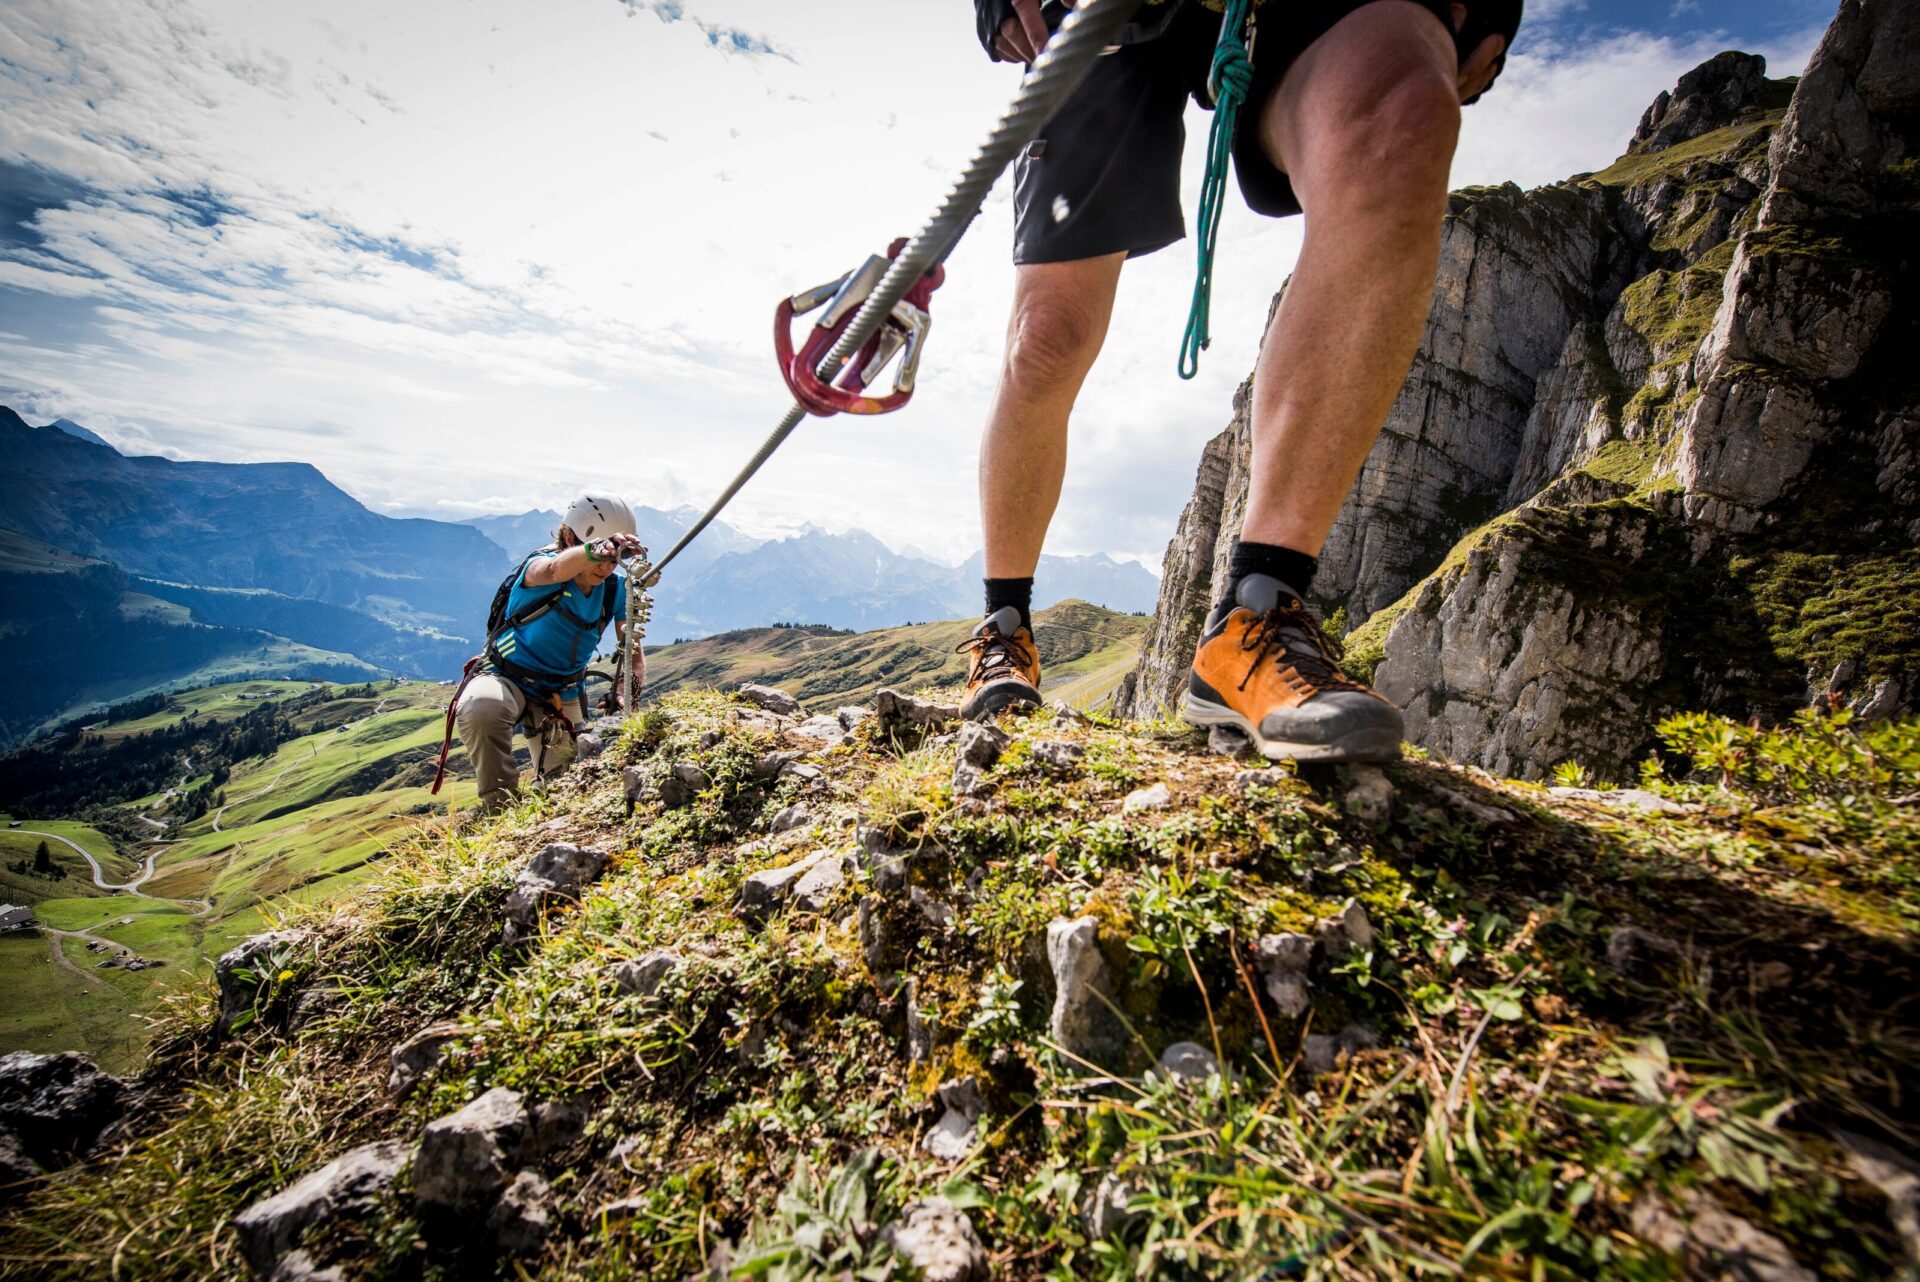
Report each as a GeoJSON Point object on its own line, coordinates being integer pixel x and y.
{"type": "Point", "coordinates": [55, 934]}
{"type": "Point", "coordinates": [130, 887]}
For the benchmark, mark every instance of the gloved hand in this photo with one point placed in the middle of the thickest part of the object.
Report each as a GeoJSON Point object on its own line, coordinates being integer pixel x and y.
{"type": "Point", "coordinates": [1011, 30]}
{"type": "Point", "coordinates": [613, 547]}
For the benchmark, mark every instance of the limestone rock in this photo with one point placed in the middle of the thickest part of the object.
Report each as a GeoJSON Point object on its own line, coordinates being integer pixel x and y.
{"type": "Point", "coordinates": [587, 746]}
{"type": "Point", "coordinates": [238, 972]}
{"type": "Point", "coordinates": [1633, 951]}
{"type": "Point", "coordinates": [1709, 97]}
{"type": "Point", "coordinates": [1262, 777]}
{"type": "Point", "coordinates": [522, 1218]}
{"type": "Point", "coordinates": [919, 1028]}
{"type": "Point", "coordinates": [765, 893]}
{"type": "Point", "coordinates": [553, 1126]}
{"type": "Point", "coordinates": [1852, 116]}
{"type": "Point", "coordinates": [938, 1240]}
{"type": "Point", "coordinates": [421, 1054]}
{"type": "Point", "coordinates": [1058, 755]}
{"type": "Point", "coordinates": [824, 727]}
{"type": "Point", "coordinates": [980, 746]}
{"type": "Point", "coordinates": [1494, 664]}
{"type": "Point", "coordinates": [558, 874]}
{"type": "Point", "coordinates": [788, 818]}
{"type": "Point", "coordinates": [852, 718]}
{"type": "Point", "coordinates": [880, 943]}
{"type": "Point", "coordinates": [643, 976]}
{"type": "Point", "coordinates": [1350, 930]}
{"type": "Point", "coordinates": [1369, 796]}
{"type": "Point", "coordinates": [819, 885]}
{"type": "Point", "coordinates": [349, 1186]}
{"type": "Point", "coordinates": [1156, 797]}
{"type": "Point", "coordinates": [1082, 1020]}
{"type": "Point", "coordinates": [1282, 960]}
{"type": "Point", "coordinates": [952, 1137]}
{"type": "Point", "coordinates": [891, 705]}
{"type": "Point", "coordinates": [1229, 741]}
{"type": "Point", "coordinates": [1631, 798]}
{"type": "Point", "coordinates": [634, 785]}
{"type": "Point", "coordinates": [298, 1266]}
{"type": "Point", "coordinates": [1105, 1213]}
{"type": "Point", "coordinates": [936, 912]}
{"type": "Point", "coordinates": [467, 1158]}
{"type": "Point", "coordinates": [693, 775]}
{"type": "Point", "coordinates": [886, 868]}
{"type": "Point", "coordinates": [1476, 810]}
{"type": "Point", "coordinates": [56, 1105]}
{"type": "Point", "coordinates": [770, 764]}
{"type": "Point", "coordinates": [778, 702]}
{"type": "Point", "coordinates": [1713, 1241]}
{"type": "Point", "coordinates": [1896, 1176]}
{"type": "Point", "coordinates": [1188, 1063]}
{"type": "Point", "coordinates": [760, 720]}
{"type": "Point", "coordinates": [16, 1166]}
{"type": "Point", "coordinates": [1320, 1054]}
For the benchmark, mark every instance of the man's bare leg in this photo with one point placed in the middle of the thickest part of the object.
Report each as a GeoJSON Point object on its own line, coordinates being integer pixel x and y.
{"type": "Point", "coordinates": [1059, 321]}
{"type": "Point", "coordinates": [1060, 314]}
{"type": "Point", "coordinates": [1364, 125]}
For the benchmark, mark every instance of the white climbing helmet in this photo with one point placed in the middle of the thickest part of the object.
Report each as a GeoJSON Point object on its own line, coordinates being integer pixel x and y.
{"type": "Point", "coordinates": [595, 516]}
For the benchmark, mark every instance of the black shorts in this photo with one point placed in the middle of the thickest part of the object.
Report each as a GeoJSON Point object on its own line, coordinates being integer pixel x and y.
{"type": "Point", "coordinates": [1104, 174]}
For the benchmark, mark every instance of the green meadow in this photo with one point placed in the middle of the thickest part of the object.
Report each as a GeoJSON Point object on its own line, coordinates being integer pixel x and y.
{"type": "Point", "coordinates": [301, 825]}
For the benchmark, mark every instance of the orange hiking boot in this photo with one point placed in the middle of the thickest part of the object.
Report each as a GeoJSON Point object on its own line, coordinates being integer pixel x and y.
{"type": "Point", "coordinates": [1004, 668]}
{"type": "Point", "coordinates": [1264, 666]}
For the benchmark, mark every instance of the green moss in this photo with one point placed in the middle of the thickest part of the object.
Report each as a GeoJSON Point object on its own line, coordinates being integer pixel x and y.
{"type": "Point", "coordinates": [1724, 146]}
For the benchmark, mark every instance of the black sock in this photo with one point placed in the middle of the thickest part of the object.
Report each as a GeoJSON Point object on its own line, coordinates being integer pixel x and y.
{"type": "Point", "coordinates": [1295, 569]}
{"type": "Point", "coordinates": [1017, 593]}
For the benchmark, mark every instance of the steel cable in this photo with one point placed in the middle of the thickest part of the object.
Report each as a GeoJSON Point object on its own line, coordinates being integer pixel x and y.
{"type": "Point", "coordinates": [1054, 75]}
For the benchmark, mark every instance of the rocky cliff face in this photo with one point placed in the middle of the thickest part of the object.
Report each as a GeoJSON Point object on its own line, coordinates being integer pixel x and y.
{"type": "Point", "coordinates": [1658, 446]}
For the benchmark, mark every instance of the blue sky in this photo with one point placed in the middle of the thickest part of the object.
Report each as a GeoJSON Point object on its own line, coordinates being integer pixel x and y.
{"type": "Point", "coordinates": [467, 255]}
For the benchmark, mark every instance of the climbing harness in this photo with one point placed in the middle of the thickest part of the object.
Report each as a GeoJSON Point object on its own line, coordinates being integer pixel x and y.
{"type": "Point", "coordinates": [499, 622]}
{"type": "Point", "coordinates": [1227, 82]}
{"type": "Point", "coordinates": [902, 334]}
{"type": "Point", "coordinates": [1054, 75]}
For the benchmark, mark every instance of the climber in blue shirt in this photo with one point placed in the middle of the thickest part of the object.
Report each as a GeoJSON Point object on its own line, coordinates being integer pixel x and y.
{"type": "Point", "coordinates": [545, 625]}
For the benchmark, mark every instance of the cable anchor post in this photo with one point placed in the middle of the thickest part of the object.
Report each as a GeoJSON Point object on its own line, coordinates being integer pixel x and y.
{"type": "Point", "coordinates": [640, 574]}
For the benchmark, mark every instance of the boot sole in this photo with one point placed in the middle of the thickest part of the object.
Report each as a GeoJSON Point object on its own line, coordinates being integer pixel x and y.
{"type": "Point", "coordinates": [1366, 744]}
{"type": "Point", "coordinates": [998, 696]}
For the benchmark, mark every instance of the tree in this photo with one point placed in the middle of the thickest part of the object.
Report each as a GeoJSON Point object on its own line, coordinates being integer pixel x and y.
{"type": "Point", "coordinates": [43, 859]}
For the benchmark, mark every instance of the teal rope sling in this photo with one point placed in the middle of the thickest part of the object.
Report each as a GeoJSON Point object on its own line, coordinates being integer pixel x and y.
{"type": "Point", "coordinates": [1228, 82]}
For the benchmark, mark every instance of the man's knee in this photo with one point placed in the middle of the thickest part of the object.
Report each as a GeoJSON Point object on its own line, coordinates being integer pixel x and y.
{"type": "Point", "coordinates": [1052, 339]}
{"type": "Point", "coordinates": [1392, 153]}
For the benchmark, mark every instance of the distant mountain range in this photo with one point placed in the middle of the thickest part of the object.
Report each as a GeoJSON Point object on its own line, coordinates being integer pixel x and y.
{"type": "Point", "coordinates": [200, 571]}
{"type": "Point", "coordinates": [726, 580]}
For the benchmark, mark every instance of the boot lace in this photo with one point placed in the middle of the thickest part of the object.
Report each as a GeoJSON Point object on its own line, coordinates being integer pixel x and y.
{"type": "Point", "coordinates": [993, 656]}
{"type": "Point", "coordinates": [1293, 639]}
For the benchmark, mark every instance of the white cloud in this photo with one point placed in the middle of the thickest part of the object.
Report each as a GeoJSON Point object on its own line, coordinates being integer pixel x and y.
{"type": "Point", "coordinates": [480, 253]}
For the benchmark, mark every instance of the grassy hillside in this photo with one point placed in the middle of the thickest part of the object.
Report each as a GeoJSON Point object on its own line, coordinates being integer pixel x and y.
{"type": "Point", "coordinates": [1084, 651]}
{"type": "Point", "coordinates": [302, 824]}
{"type": "Point", "coordinates": [1532, 1034]}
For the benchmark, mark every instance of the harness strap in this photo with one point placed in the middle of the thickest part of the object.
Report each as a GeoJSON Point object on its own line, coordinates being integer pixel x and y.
{"type": "Point", "coordinates": [467, 674]}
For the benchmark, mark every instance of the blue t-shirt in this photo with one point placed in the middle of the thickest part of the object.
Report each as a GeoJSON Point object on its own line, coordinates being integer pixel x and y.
{"type": "Point", "coordinates": [561, 641]}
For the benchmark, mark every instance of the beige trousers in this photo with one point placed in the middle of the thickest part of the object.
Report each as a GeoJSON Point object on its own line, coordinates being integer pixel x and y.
{"type": "Point", "coordinates": [489, 709]}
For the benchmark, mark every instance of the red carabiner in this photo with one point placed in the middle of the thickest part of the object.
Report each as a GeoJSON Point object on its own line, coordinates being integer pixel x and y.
{"type": "Point", "coordinates": [903, 334]}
